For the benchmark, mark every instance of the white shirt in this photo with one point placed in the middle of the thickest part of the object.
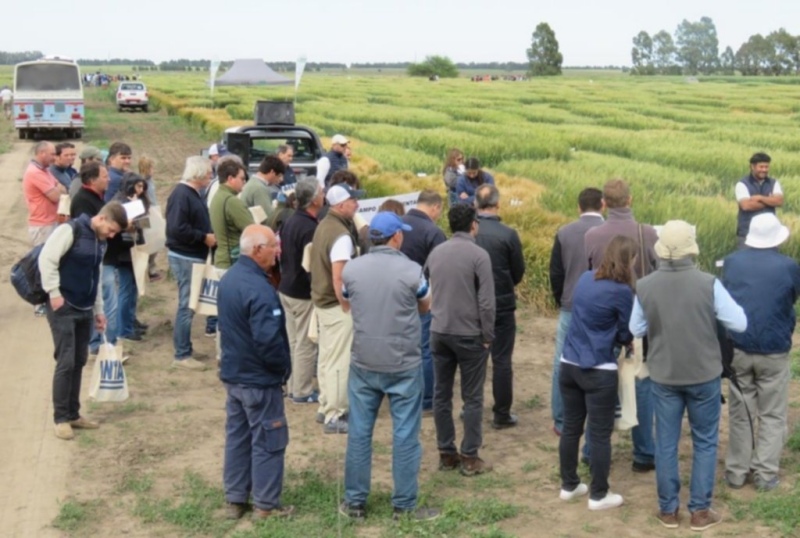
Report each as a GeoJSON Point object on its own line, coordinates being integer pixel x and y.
{"type": "Point", "coordinates": [6, 96]}
{"type": "Point", "coordinates": [342, 249]}
{"type": "Point", "coordinates": [323, 166]}
{"type": "Point", "coordinates": [743, 194]}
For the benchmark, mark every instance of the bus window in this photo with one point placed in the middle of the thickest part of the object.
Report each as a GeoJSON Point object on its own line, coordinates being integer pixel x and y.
{"type": "Point", "coordinates": [47, 77]}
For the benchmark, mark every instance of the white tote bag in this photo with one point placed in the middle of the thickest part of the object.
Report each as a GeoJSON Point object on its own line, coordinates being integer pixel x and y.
{"type": "Point", "coordinates": [109, 383]}
{"type": "Point", "coordinates": [155, 236]}
{"type": "Point", "coordinates": [140, 260]}
{"type": "Point", "coordinates": [203, 293]}
{"type": "Point", "coordinates": [627, 370]}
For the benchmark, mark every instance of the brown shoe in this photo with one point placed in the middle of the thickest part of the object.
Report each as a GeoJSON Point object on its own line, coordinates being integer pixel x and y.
{"type": "Point", "coordinates": [448, 462]}
{"type": "Point", "coordinates": [705, 519]}
{"type": "Point", "coordinates": [283, 511]}
{"type": "Point", "coordinates": [236, 510]}
{"type": "Point", "coordinates": [64, 431]}
{"type": "Point", "coordinates": [670, 521]}
{"type": "Point", "coordinates": [84, 423]}
{"type": "Point", "coordinates": [470, 466]}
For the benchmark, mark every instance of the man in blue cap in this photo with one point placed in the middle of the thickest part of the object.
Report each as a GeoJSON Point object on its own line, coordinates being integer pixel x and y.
{"type": "Point", "coordinates": [385, 291]}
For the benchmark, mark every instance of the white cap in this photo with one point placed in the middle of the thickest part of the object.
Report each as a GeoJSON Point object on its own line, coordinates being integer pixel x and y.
{"type": "Point", "coordinates": [342, 192]}
{"type": "Point", "coordinates": [339, 139]}
{"type": "Point", "coordinates": [766, 231]}
{"type": "Point", "coordinates": [213, 150]}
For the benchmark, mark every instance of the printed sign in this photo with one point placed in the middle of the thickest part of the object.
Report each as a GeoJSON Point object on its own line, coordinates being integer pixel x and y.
{"type": "Point", "coordinates": [369, 207]}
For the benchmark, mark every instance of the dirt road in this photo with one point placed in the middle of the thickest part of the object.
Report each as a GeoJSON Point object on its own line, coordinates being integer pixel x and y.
{"type": "Point", "coordinates": [33, 463]}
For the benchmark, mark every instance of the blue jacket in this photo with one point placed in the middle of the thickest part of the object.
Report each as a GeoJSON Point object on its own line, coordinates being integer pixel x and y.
{"type": "Point", "coordinates": [63, 175]}
{"type": "Point", "coordinates": [255, 346]}
{"type": "Point", "coordinates": [338, 162]}
{"type": "Point", "coordinates": [766, 284]}
{"type": "Point", "coordinates": [744, 217]}
{"type": "Point", "coordinates": [114, 183]}
{"type": "Point", "coordinates": [600, 313]}
{"type": "Point", "coordinates": [423, 237]}
{"type": "Point", "coordinates": [188, 223]}
{"type": "Point", "coordinates": [79, 269]}
{"type": "Point", "coordinates": [469, 186]}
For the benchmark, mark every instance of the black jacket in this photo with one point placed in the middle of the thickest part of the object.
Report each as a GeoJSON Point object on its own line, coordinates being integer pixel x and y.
{"type": "Point", "coordinates": [508, 264]}
{"type": "Point", "coordinates": [297, 231]}
{"type": "Point", "coordinates": [423, 237]}
{"type": "Point", "coordinates": [188, 223]}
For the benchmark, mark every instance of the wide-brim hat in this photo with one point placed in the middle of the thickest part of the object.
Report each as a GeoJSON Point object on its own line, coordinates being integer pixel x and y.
{"type": "Point", "coordinates": [677, 240]}
{"type": "Point", "coordinates": [766, 231]}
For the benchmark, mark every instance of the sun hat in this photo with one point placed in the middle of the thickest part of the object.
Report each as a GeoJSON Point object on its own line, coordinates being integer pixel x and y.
{"type": "Point", "coordinates": [766, 231]}
{"type": "Point", "coordinates": [676, 241]}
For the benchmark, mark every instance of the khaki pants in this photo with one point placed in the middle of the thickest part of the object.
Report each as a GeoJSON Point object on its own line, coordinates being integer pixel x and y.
{"type": "Point", "coordinates": [335, 341]}
{"type": "Point", "coordinates": [765, 383]}
{"type": "Point", "coordinates": [304, 351]}
{"type": "Point", "coordinates": [39, 234]}
{"type": "Point", "coordinates": [218, 337]}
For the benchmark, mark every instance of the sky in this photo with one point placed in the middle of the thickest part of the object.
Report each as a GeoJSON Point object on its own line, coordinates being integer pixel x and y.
{"type": "Point", "coordinates": [590, 32]}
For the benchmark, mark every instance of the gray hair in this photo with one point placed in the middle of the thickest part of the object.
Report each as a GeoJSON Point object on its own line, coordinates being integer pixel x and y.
{"type": "Point", "coordinates": [40, 146]}
{"type": "Point", "coordinates": [305, 191]}
{"type": "Point", "coordinates": [283, 148]}
{"type": "Point", "coordinates": [248, 243]}
{"type": "Point", "coordinates": [230, 157]}
{"type": "Point", "coordinates": [196, 169]}
{"type": "Point", "coordinates": [487, 196]}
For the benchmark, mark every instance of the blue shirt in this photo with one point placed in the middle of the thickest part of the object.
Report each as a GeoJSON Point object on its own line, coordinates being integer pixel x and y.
{"type": "Point", "coordinates": [469, 186]}
{"type": "Point", "coordinates": [728, 313]}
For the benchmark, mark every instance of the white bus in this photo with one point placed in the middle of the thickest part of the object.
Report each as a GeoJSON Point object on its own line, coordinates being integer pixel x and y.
{"type": "Point", "coordinates": [48, 96]}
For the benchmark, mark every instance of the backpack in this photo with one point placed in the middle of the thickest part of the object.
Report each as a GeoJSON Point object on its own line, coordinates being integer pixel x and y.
{"type": "Point", "coordinates": [25, 275]}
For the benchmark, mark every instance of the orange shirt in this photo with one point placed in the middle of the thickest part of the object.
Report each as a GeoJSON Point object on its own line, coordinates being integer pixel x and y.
{"type": "Point", "coordinates": [35, 183]}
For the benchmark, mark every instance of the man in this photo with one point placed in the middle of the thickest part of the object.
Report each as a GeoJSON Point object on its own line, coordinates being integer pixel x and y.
{"type": "Point", "coordinates": [333, 161]}
{"type": "Point", "coordinates": [286, 154]}
{"type": "Point", "coordinates": [618, 200]}
{"type": "Point", "coordinates": [6, 97]}
{"type": "Point", "coordinates": [215, 153]}
{"type": "Point", "coordinates": [42, 192]}
{"type": "Point", "coordinates": [62, 168]}
{"type": "Point", "coordinates": [766, 284]}
{"type": "Point", "coordinates": [89, 200]}
{"type": "Point", "coordinates": [333, 245]}
{"type": "Point", "coordinates": [756, 193]}
{"type": "Point", "coordinates": [119, 162]}
{"type": "Point", "coordinates": [386, 291]}
{"type": "Point", "coordinates": [87, 155]}
{"type": "Point", "coordinates": [568, 261]}
{"type": "Point", "coordinates": [295, 288]}
{"type": "Point", "coordinates": [263, 187]}
{"type": "Point", "coordinates": [189, 238]}
{"type": "Point", "coordinates": [229, 216]}
{"type": "Point", "coordinates": [678, 308]}
{"type": "Point", "coordinates": [70, 267]}
{"type": "Point", "coordinates": [508, 267]}
{"type": "Point", "coordinates": [255, 363]}
{"type": "Point", "coordinates": [462, 332]}
{"type": "Point", "coordinates": [418, 243]}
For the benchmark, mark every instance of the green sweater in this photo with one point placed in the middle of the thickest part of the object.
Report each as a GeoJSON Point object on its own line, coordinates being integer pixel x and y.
{"type": "Point", "coordinates": [256, 192]}
{"type": "Point", "coordinates": [229, 218]}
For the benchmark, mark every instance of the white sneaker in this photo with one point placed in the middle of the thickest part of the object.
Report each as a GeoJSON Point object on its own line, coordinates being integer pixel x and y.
{"type": "Point", "coordinates": [581, 490]}
{"type": "Point", "coordinates": [611, 500]}
{"type": "Point", "coordinates": [189, 364]}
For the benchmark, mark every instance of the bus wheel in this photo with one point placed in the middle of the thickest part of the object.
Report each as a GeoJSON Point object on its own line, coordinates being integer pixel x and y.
{"type": "Point", "coordinates": [78, 133]}
{"type": "Point", "coordinates": [23, 134]}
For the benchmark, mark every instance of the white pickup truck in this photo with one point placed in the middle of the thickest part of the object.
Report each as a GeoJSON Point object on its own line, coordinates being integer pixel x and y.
{"type": "Point", "coordinates": [132, 95]}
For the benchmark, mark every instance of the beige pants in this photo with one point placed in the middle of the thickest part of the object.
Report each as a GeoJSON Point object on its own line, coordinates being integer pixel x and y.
{"type": "Point", "coordinates": [39, 234]}
{"type": "Point", "coordinates": [218, 338]}
{"type": "Point", "coordinates": [304, 351]}
{"type": "Point", "coordinates": [335, 341]}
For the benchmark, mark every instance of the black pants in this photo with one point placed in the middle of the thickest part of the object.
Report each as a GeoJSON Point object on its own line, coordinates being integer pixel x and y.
{"type": "Point", "coordinates": [505, 330]}
{"type": "Point", "coordinates": [589, 392]}
{"type": "Point", "coordinates": [71, 329]}
{"type": "Point", "coordinates": [468, 355]}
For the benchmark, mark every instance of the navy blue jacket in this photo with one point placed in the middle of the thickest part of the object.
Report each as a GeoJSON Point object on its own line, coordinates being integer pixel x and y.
{"type": "Point", "coordinates": [424, 236]}
{"type": "Point", "coordinates": [188, 222]}
{"type": "Point", "coordinates": [766, 284]}
{"type": "Point", "coordinates": [114, 182]}
{"type": "Point", "coordinates": [297, 231]}
{"type": "Point", "coordinates": [601, 310]}
{"type": "Point", "coordinates": [744, 217]}
{"type": "Point", "coordinates": [338, 162]}
{"type": "Point", "coordinates": [79, 269]}
{"type": "Point", "coordinates": [469, 186]}
{"type": "Point", "coordinates": [255, 346]}
{"type": "Point", "coordinates": [63, 175]}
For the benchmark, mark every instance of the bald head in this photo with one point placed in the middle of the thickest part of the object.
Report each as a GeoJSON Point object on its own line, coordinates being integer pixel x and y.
{"type": "Point", "coordinates": [258, 242]}
{"type": "Point", "coordinates": [44, 153]}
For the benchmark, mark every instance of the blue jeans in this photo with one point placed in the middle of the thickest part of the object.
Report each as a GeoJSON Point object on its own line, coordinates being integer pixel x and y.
{"type": "Point", "coordinates": [427, 360]}
{"type": "Point", "coordinates": [556, 404]}
{"type": "Point", "coordinates": [128, 298]}
{"type": "Point", "coordinates": [256, 436]}
{"type": "Point", "coordinates": [702, 402]}
{"type": "Point", "coordinates": [182, 334]}
{"type": "Point", "coordinates": [365, 391]}
{"type": "Point", "coordinates": [644, 447]}
{"type": "Point", "coordinates": [211, 324]}
{"type": "Point", "coordinates": [108, 274]}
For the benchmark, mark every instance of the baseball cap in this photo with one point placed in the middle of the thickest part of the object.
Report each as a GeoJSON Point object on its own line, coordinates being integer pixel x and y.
{"type": "Point", "coordinates": [385, 224]}
{"type": "Point", "coordinates": [342, 192]}
{"type": "Point", "coordinates": [339, 139]}
{"type": "Point", "coordinates": [218, 149]}
{"type": "Point", "coordinates": [90, 152]}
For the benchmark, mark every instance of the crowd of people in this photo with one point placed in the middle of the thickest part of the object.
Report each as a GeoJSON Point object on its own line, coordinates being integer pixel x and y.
{"type": "Point", "coordinates": [320, 307]}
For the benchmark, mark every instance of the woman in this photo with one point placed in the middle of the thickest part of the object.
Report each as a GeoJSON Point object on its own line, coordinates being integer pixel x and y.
{"type": "Point", "coordinates": [453, 167]}
{"type": "Point", "coordinates": [134, 187]}
{"type": "Point", "coordinates": [601, 308]}
{"type": "Point", "coordinates": [146, 171]}
{"type": "Point", "coordinates": [472, 178]}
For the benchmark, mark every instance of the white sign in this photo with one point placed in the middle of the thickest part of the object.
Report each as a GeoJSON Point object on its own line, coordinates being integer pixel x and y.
{"type": "Point", "coordinates": [299, 67]}
{"type": "Point", "coordinates": [369, 207]}
{"type": "Point", "coordinates": [212, 74]}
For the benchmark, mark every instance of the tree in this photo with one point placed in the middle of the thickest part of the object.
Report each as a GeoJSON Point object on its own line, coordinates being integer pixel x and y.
{"type": "Point", "coordinates": [434, 65]}
{"type": "Point", "coordinates": [698, 46]}
{"type": "Point", "coordinates": [786, 49]}
{"type": "Point", "coordinates": [664, 54]}
{"type": "Point", "coordinates": [727, 62]}
{"type": "Point", "coordinates": [642, 54]}
{"type": "Point", "coordinates": [755, 57]}
{"type": "Point", "coordinates": [543, 56]}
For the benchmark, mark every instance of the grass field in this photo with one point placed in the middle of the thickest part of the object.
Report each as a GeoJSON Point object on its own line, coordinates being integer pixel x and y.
{"type": "Point", "coordinates": [682, 146]}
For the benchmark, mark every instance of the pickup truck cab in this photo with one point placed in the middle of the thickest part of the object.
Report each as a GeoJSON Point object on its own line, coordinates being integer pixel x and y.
{"type": "Point", "coordinates": [132, 95]}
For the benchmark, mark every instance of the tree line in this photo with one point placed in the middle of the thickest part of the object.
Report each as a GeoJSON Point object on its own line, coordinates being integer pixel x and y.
{"type": "Point", "coordinates": [694, 50]}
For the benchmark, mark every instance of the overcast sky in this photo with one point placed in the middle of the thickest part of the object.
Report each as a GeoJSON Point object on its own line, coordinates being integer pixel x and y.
{"type": "Point", "coordinates": [590, 32]}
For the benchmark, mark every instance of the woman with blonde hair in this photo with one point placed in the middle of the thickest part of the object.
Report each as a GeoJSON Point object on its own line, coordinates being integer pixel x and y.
{"type": "Point", "coordinates": [453, 167]}
{"type": "Point", "coordinates": [146, 165]}
{"type": "Point", "coordinates": [601, 308]}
